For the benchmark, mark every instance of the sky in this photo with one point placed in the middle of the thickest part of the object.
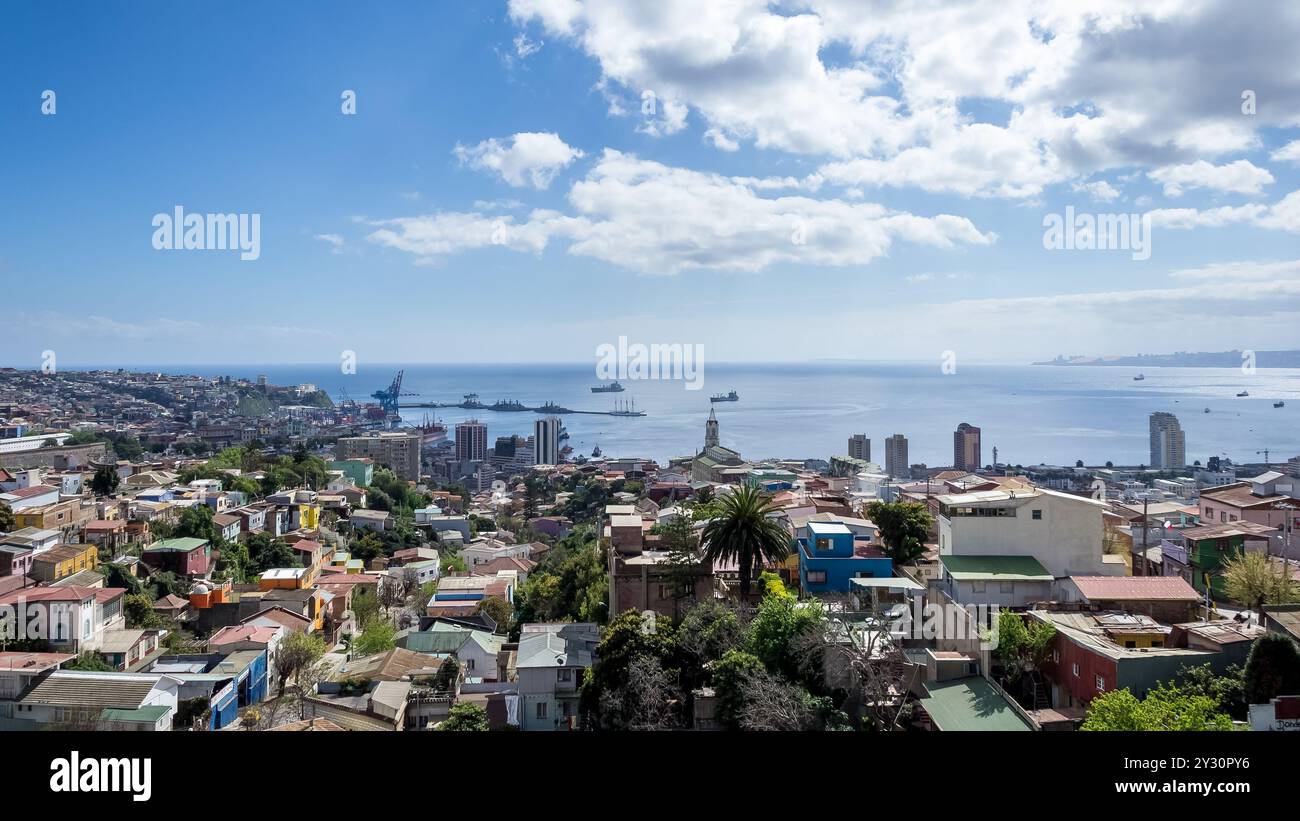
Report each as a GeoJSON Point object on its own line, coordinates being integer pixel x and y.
{"type": "Point", "coordinates": [528, 180]}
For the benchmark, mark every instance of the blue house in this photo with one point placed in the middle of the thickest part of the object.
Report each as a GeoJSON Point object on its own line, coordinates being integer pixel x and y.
{"type": "Point", "coordinates": [224, 682]}
{"type": "Point", "coordinates": [830, 556]}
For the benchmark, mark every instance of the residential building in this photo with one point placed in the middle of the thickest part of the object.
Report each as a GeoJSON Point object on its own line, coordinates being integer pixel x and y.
{"type": "Point", "coordinates": [471, 441]}
{"type": "Point", "coordinates": [552, 660]}
{"type": "Point", "coordinates": [64, 560]}
{"type": "Point", "coordinates": [546, 441]}
{"type": "Point", "coordinates": [100, 701]}
{"type": "Point", "coordinates": [896, 464]}
{"type": "Point", "coordinates": [185, 557]}
{"type": "Point", "coordinates": [831, 555]}
{"type": "Point", "coordinates": [1062, 531]}
{"type": "Point", "coordinates": [68, 618]}
{"type": "Point", "coordinates": [966, 447]}
{"type": "Point", "coordinates": [361, 470]}
{"type": "Point", "coordinates": [1007, 581]}
{"type": "Point", "coordinates": [398, 450]}
{"type": "Point", "coordinates": [1168, 444]}
{"type": "Point", "coordinates": [860, 447]}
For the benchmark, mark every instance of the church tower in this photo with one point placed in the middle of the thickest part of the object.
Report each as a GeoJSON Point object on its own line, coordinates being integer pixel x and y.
{"type": "Point", "coordinates": [711, 430]}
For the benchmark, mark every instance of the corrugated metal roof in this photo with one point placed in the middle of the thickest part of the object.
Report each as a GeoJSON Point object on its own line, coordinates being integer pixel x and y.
{"type": "Point", "coordinates": [74, 689]}
{"type": "Point", "coordinates": [1135, 588]}
{"type": "Point", "coordinates": [970, 704]}
{"type": "Point", "coordinates": [995, 568]}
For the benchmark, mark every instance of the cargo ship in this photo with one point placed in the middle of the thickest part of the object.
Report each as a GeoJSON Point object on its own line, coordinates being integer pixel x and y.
{"type": "Point", "coordinates": [612, 387]}
{"type": "Point", "coordinates": [507, 405]}
{"type": "Point", "coordinates": [725, 397]}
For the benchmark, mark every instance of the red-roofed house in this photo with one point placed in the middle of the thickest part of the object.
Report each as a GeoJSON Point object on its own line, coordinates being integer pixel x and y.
{"type": "Point", "coordinates": [1168, 599]}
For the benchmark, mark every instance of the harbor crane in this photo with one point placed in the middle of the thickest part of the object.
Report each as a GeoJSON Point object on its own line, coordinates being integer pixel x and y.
{"type": "Point", "coordinates": [388, 399]}
{"type": "Point", "coordinates": [1267, 463]}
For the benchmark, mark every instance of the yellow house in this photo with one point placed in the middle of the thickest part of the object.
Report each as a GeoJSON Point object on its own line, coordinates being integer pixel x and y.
{"type": "Point", "coordinates": [64, 560]}
{"type": "Point", "coordinates": [287, 578]}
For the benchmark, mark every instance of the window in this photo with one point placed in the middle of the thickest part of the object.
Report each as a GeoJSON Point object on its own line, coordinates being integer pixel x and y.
{"type": "Point", "coordinates": [816, 576]}
{"type": "Point", "coordinates": [564, 675]}
{"type": "Point", "coordinates": [1037, 514]}
{"type": "Point", "coordinates": [1076, 669]}
{"type": "Point", "coordinates": [1056, 657]}
{"type": "Point", "coordinates": [541, 709]}
{"type": "Point", "coordinates": [1101, 684]}
{"type": "Point", "coordinates": [469, 664]}
{"type": "Point", "coordinates": [823, 544]}
{"type": "Point", "coordinates": [978, 587]}
{"type": "Point", "coordinates": [1006, 587]}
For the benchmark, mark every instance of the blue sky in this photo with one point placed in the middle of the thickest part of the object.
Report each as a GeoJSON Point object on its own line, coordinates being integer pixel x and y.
{"type": "Point", "coordinates": [914, 155]}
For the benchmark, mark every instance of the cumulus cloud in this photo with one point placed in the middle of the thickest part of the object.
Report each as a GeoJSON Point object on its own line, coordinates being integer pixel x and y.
{"type": "Point", "coordinates": [654, 218]}
{"type": "Point", "coordinates": [1082, 87]}
{"type": "Point", "coordinates": [1240, 177]}
{"type": "Point", "coordinates": [527, 158]}
{"type": "Point", "coordinates": [1287, 153]}
{"type": "Point", "coordinates": [1283, 215]}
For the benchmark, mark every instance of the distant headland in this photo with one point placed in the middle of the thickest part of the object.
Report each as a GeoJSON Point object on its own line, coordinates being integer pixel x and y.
{"type": "Point", "coordinates": [1185, 359]}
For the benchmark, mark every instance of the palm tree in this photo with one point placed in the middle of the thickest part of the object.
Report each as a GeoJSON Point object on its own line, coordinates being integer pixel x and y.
{"type": "Point", "coordinates": [744, 532]}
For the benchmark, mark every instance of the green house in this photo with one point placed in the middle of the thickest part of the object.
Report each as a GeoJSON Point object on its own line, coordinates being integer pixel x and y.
{"type": "Point", "coordinates": [1211, 547]}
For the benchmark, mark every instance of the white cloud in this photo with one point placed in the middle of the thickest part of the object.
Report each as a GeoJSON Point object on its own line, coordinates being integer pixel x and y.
{"type": "Point", "coordinates": [526, 48]}
{"type": "Point", "coordinates": [1287, 153]}
{"type": "Point", "coordinates": [654, 218]}
{"type": "Point", "coordinates": [1100, 191]}
{"type": "Point", "coordinates": [334, 240]}
{"type": "Point", "coordinates": [1075, 88]}
{"type": "Point", "coordinates": [1240, 177]}
{"type": "Point", "coordinates": [529, 158]}
{"type": "Point", "coordinates": [1283, 215]}
{"type": "Point", "coordinates": [1242, 270]}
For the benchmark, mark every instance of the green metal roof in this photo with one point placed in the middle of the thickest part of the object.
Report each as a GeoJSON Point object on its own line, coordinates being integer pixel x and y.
{"type": "Point", "coordinates": [995, 568]}
{"type": "Point", "coordinates": [149, 714]}
{"type": "Point", "coordinates": [180, 545]}
{"type": "Point", "coordinates": [969, 704]}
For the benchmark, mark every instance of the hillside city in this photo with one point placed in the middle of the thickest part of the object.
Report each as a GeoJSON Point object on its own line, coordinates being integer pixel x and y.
{"type": "Point", "coordinates": [186, 553]}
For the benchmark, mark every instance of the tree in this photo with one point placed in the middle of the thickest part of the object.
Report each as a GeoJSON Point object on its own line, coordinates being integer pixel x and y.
{"type": "Point", "coordinates": [6, 518]}
{"type": "Point", "coordinates": [1272, 669]}
{"type": "Point", "coordinates": [648, 699]}
{"type": "Point", "coordinates": [444, 681]}
{"type": "Point", "coordinates": [89, 661]}
{"type": "Point", "coordinates": [466, 717]}
{"type": "Point", "coordinates": [139, 612]}
{"type": "Point", "coordinates": [729, 677]}
{"type": "Point", "coordinates": [1164, 709]}
{"type": "Point", "coordinates": [745, 533]}
{"type": "Point", "coordinates": [778, 635]}
{"type": "Point", "coordinates": [1226, 690]}
{"type": "Point", "coordinates": [628, 637]}
{"type": "Point", "coordinates": [904, 527]}
{"type": "Point", "coordinates": [497, 609]}
{"type": "Point", "coordinates": [196, 523]}
{"type": "Point", "coordinates": [1024, 644]}
{"type": "Point", "coordinates": [297, 652]}
{"type": "Point", "coordinates": [377, 637]}
{"type": "Point", "coordinates": [1252, 580]}
{"type": "Point", "coordinates": [365, 608]}
{"type": "Point", "coordinates": [105, 480]}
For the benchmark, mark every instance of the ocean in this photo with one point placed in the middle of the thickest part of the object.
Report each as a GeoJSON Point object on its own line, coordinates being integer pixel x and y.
{"type": "Point", "coordinates": [1032, 414]}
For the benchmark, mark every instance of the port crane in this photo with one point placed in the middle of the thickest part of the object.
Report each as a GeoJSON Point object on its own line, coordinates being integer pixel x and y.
{"type": "Point", "coordinates": [1267, 463]}
{"type": "Point", "coordinates": [388, 399]}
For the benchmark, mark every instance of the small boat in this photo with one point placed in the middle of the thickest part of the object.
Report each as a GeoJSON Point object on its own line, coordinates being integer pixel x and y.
{"type": "Point", "coordinates": [1139, 377]}
{"type": "Point", "coordinates": [1244, 393]}
{"type": "Point", "coordinates": [1207, 410]}
{"type": "Point", "coordinates": [1279, 404]}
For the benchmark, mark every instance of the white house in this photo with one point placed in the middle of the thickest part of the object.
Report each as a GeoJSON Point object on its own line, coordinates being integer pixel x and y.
{"type": "Point", "coordinates": [1063, 532]}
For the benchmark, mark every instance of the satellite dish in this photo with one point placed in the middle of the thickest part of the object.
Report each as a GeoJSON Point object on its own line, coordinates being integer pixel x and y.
{"type": "Point", "coordinates": [560, 660]}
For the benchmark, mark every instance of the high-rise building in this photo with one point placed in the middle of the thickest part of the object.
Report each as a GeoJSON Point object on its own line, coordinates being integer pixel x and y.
{"type": "Point", "coordinates": [966, 447]}
{"type": "Point", "coordinates": [860, 447]}
{"type": "Point", "coordinates": [1168, 446]}
{"type": "Point", "coordinates": [711, 430]}
{"type": "Point", "coordinates": [471, 441]}
{"type": "Point", "coordinates": [399, 450]}
{"type": "Point", "coordinates": [546, 441]}
{"type": "Point", "coordinates": [896, 456]}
